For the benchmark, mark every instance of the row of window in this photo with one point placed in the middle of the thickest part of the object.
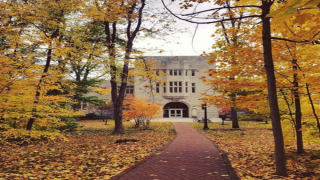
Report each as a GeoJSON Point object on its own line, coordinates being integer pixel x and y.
{"type": "Point", "coordinates": [177, 72]}
{"type": "Point", "coordinates": [174, 87]}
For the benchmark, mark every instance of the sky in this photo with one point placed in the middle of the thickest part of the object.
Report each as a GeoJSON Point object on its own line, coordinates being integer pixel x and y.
{"type": "Point", "coordinates": [181, 43]}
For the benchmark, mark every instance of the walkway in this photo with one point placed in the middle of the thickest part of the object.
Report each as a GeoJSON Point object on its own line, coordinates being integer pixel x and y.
{"type": "Point", "coordinates": [190, 156]}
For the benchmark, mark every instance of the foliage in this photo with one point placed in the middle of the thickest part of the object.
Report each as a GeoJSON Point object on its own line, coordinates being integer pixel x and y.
{"type": "Point", "coordinates": [83, 87]}
{"type": "Point", "coordinates": [147, 71]}
{"type": "Point", "coordinates": [68, 124]}
{"type": "Point", "coordinates": [89, 156]}
{"type": "Point", "coordinates": [10, 136]}
{"type": "Point", "coordinates": [253, 117]}
{"type": "Point", "coordinates": [261, 56]}
{"type": "Point", "coordinates": [141, 111]}
{"type": "Point", "coordinates": [32, 88]}
{"type": "Point", "coordinates": [44, 43]}
{"type": "Point", "coordinates": [103, 108]}
{"type": "Point", "coordinates": [123, 23]}
{"type": "Point", "coordinates": [250, 151]}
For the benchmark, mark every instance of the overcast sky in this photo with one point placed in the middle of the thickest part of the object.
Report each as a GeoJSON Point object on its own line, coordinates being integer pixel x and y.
{"type": "Point", "coordinates": [181, 43]}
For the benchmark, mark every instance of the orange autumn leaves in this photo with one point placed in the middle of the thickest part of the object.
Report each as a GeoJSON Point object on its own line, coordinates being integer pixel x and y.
{"type": "Point", "coordinates": [92, 155]}
{"type": "Point", "coordinates": [251, 150]}
{"type": "Point", "coordinates": [142, 111]}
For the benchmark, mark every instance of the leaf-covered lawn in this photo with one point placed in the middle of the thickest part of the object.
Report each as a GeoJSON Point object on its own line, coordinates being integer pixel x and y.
{"type": "Point", "coordinates": [92, 155]}
{"type": "Point", "coordinates": [250, 150]}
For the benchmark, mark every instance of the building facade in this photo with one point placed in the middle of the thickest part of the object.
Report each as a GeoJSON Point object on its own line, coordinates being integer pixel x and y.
{"type": "Point", "coordinates": [181, 89]}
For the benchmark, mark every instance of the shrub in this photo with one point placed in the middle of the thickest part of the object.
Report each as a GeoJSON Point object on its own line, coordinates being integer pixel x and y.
{"type": "Point", "coordinates": [69, 124]}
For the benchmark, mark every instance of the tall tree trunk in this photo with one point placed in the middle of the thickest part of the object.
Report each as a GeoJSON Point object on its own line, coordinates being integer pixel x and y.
{"type": "Point", "coordinates": [313, 109]}
{"type": "Point", "coordinates": [38, 90]}
{"type": "Point", "coordinates": [37, 95]}
{"type": "Point", "coordinates": [118, 97]}
{"type": "Point", "coordinates": [118, 129]}
{"type": "Point", "coordinates": [297, 102]}
{"type": "Point", "coordinates": [234, 115]}
{"type": "Point", "coordinates": [280, 159]}
{"type": "Point", "coordinates": [234, 118]}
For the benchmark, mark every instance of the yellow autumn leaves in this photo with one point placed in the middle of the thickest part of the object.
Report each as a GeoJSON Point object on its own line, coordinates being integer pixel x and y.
{"type": "Point", "coordinates": [251, 150]}
{"type": "Point", "coordinates": [87, 156]}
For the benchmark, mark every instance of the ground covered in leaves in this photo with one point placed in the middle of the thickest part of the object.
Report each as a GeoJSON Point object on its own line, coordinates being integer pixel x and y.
{"type": "Point", "coordinates": [93, 154]}
{"type": "Point", "coordinates": [250, 150]}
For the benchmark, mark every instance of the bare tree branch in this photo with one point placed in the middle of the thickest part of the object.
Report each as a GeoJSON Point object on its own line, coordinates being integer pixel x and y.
{"type": "Point", "coordinates": [289, 40]}
{"type": "Point", "coordinates": [213, 9]}
{"type": "Point", "coordinates": [219, 8]}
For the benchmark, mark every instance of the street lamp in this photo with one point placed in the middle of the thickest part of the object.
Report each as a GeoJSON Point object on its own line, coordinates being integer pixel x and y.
{"type": "Point", "coordinates": [204, 107]}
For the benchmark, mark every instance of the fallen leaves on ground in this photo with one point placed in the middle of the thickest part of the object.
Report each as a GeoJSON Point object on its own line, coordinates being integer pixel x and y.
{"type": "Point", "coordinates": [93, 155]}
{"type": "Point", "coordinates": [250, 150]}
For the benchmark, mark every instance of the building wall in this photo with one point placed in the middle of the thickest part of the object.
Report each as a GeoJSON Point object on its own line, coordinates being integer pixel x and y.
{"type": "Point", "coordinates": [185, 72]}
{"type": "Point", "coordinates": [185, 64]}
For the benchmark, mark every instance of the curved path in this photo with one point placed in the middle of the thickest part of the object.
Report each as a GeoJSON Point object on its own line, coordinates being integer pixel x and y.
{"type": "Point", "coordinates": [190, 156]}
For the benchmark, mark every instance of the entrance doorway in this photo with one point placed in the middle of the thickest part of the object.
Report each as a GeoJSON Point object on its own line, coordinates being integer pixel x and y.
{"type": "Point", "coordinates": [175, 110]}
{"type": "Point", "coordinates": [175, 113]}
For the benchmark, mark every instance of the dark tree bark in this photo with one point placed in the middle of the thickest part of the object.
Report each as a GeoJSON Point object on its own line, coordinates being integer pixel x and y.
{"type": "Point", "coordinates": [280, 159]}
{"type": "Point", "coordinates": [298, 124]}
{"type": "Point", "coordinates": [38, 90]}
{"type": "Point", "coordinates": [313, 109]}
{"type": "Point", "coordinates": [234, 118]}
{"type": "Point", "coordinates": [118, 96]}
{"type": "Point", "coordinates": [117, 99]}
{"type": "Point", "coordinates": [234, 115]}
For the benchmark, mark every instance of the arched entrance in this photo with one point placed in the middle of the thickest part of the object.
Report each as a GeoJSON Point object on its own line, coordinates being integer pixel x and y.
{"type": "Point", "coordinates": [175, 110]}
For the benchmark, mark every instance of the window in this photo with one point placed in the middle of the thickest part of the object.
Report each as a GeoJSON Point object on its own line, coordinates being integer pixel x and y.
{"type": "Point", "coordinates": [193, 72]}
{"type": "Point", "coordinates": [129, 89]}
{"type": "Point", "coordinates": [175, 86]}
{"type": "Point", "coordinates": [164, 88]}
{"type": "Point", "coordinates": [157, 88]}
{"type": "Point", "coordinates": [84, 105]}
{"type": "Point", "coordinates": [175, 72]}
{"type": "Point", "coordinates": [193, 88]}
{"type": "Point", "coordinates": [186, 72]}
{"type": "Point", "coordinates": [186, 87]}
{"type": "Point", "coordinates": [180, 87]}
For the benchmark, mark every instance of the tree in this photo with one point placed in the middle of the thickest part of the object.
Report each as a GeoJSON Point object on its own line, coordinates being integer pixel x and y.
{"type": "Point", "coordinates": [86, 55]}
{"type": "Point", "coordinates": [122, 21]}
{"type": "Point", "coordinates": [26, 93]}
{"type": "Point", "coordinates": [51, 26]}
{"type": "Point", "coordinates": [104, 108]}
{"type": "Point", "coordinates": [261, 11]}
{"type": "Point", "coordinates": [294, 22]}
{"type": "Point", "coordinates": [141, 111]}
{"type": "Point", "coordinates": [251, 9]}
{"type": "Point", "coordinates": [293, 86]}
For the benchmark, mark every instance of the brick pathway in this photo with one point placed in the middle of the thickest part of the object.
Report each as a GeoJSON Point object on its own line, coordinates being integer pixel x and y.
{"type": "Point", "coordinates": [190, 156]}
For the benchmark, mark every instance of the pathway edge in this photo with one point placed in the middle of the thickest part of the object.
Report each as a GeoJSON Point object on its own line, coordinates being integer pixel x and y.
{"type": "Point", "coordinates": [232, 173]}
{"type": "Point", "coordinates": [142, 161]}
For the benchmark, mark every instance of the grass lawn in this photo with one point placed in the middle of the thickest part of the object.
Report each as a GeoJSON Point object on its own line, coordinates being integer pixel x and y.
{"type": "Point", "coordinates": [93, 154]}
{"type": "Point", "coordinates": [250, 150]}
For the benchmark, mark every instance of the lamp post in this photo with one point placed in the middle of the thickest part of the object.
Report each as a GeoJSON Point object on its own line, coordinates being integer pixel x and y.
{"type": "Point", "coordinates": [204, 107]}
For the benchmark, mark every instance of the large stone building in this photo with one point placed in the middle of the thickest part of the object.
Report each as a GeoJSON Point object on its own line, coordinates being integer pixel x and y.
{"type": "Point", "coordinates": [181, 90]}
